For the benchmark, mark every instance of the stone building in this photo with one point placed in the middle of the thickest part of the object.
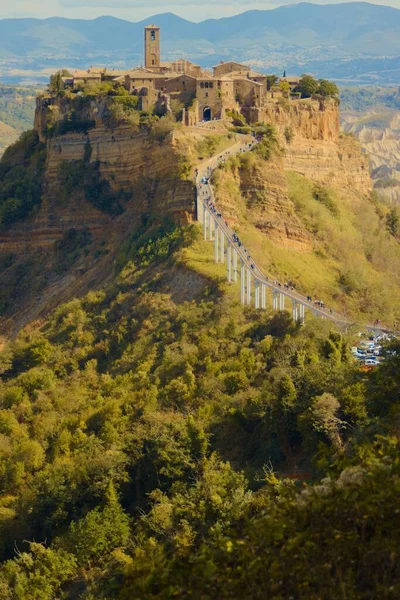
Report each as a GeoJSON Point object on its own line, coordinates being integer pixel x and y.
{"type": "Point", "coordinates": [204, 95]}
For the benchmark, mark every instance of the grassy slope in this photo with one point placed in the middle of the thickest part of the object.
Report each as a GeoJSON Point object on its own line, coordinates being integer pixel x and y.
{"type": "Point", "coordinates": [355, 262]}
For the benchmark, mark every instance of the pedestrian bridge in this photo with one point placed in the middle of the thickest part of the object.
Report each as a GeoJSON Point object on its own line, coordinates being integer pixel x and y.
{"type": "Point", "coordinates": [256, 289]}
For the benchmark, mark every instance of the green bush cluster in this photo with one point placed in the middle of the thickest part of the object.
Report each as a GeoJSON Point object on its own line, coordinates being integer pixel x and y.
{"type": "Point", "coordinates": [71, 123]}
{"type": "Point", "coordinates": [78, 175]}
{"type": "Point", "coordinates": [308, 86]}
{"type": "Point", "coordinates": [21, 176]}
{"type": "Point", "coordinates": [157, 449]}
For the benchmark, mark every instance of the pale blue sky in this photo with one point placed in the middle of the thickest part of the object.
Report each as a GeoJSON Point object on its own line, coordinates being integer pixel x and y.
{"type": "Point", "coordinates": [136, 10]}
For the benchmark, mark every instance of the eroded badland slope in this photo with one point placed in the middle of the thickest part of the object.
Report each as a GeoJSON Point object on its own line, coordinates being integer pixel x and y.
{"type": "Point", "coordinates": [303, 208]}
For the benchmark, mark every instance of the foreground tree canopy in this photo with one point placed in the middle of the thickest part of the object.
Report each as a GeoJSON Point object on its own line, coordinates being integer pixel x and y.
{"type": "Point", "coordinates": [158, 449]}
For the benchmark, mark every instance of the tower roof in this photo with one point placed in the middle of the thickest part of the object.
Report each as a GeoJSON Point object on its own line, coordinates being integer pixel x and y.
{"type": "Point", "coordinates": [152, 27]}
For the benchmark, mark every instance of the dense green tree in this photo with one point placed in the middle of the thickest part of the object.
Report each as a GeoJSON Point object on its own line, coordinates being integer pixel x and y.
{"type": "Point", "coordinates": [307, 86]}
{"type": "Point", "coordinates": [204, 417]}
{"type": "Point", "coordinates": [271, 81]}
{"type": "Point", "coordinates": [327, 88]}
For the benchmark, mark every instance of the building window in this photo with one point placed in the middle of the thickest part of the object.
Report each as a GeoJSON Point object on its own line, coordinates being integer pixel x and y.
{"type": "Point", "coordinates": [202, 84]}
{"type": "Point", "coordinates": [153, 36]}
{"type": "Point", "coordinates": [207, 84]}
{"type": "Point", "coordinates": [210, 85]}
{"type": "Point", "coordinates": [206, 94]}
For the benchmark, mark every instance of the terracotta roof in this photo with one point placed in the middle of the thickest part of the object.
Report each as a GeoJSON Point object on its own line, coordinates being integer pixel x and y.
{"type": "Point", "coordinates": [116, 72]}
{"type": "Point", "coordinates": [207, 76]}
{"type": "Point", "coordinates": [245, 78]}
{"type": "Point", "coordinates": [290, 78]}
{"type": "Point", "coordinates": [143, 74]}
{"type": "Point", "coordinates": [86, 75]}
{"type": "Point", "coordinates": [178, 75]}
{"type": "Point", "coordinates": [246, 73]}
{"type": "Point", "coordinates": [255, 74]}
{"type": "Point", "coordinates": [230, 62]}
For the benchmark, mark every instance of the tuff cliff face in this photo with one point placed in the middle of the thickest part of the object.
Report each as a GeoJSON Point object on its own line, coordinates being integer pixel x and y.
{"type": "Point", "coordinates": [308, 119]}
{"type": "Point", "coordinates": [257, 191]}
{"type": "Point", "coordinates": [309, 131]}
{"type": "Point", "coordinates": [312, 146]}
{"type": "Point", "coordinates": [146, 170]}
{"type": "Point", "coordinates": [150, 169]}
{"type": "Point", "coordinates": [90, 159]}
{"type": "Point", "coordinates": [337, 163]}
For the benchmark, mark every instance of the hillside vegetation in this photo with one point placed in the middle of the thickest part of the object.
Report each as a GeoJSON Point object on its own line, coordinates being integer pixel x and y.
{"type": "Point", "coordinates": [17, 107]}
{"type": "Point", "coordinates": [354, 262]}
{"type": "Point", "coordinates": [154, 437]}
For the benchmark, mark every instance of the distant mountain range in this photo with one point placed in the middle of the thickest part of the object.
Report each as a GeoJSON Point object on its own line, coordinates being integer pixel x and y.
{"type": "Point", "coordinates": [355, 42]}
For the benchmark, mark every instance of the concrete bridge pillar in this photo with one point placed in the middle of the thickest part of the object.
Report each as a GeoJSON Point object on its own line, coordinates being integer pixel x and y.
{"type": "Point", "coordinates": [235, 261]}
{"type": "Point", "coordinates": [275, 300]}
{"type": "Point", "coordinates": [263, 296]}
{"type": "Point", "coordinates": [302, 314]}
{"type": "Point", "coordinates": [216, 246]}
{"type": "Point", "coordinates": [221, 246]}
{"type": "Point", "coordinates": [248, 288]}
{"type": "Point", "coordinates": [200, 208]}
{"type": "Point", "coordinates": [257, 289]}
{"type": "Point", "coordinates": [281, 302]}
{"type": "Point", "coordinates": [295, 311]}
{"type": "Point", "coordinates": [242, 283]}
{"type": "Point", "coordinates": [229, 262]}
{"type": "Point", "coordinates": [211, 226]}
{"type": "Point", "coordinates": [206, 217]}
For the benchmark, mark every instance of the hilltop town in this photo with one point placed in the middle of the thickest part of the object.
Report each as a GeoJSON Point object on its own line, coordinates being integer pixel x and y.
{"type": "Point", "coordinates": [231, 87]}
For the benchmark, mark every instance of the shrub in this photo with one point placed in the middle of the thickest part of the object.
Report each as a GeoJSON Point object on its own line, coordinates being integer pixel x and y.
{"type": "Point", "coordinates": [162, 128]}
{"type": "Point", "coordinates": [322, 195]}
{"type": "Point", "coordinates": [21, 175]}
{"type": "Point", "coordinates": [72, 123]}
{"type": "Point", "coordinates": [237, 119]}
{"type": "Point", "coordinates": [289, 134]}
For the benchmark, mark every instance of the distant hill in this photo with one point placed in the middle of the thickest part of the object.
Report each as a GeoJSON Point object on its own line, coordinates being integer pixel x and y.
{"type": "Point", "coordinates": [17, 107]}
{"type": "Point", "coordinates": [358, 41]}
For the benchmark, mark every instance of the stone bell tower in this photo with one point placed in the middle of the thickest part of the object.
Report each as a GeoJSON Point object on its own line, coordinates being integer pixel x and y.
{"type": "Point", "coordinates": [152, 57]}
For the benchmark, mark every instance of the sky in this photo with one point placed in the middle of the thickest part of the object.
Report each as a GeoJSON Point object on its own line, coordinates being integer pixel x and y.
{"type": "Point", "coordinates": [136, 10]}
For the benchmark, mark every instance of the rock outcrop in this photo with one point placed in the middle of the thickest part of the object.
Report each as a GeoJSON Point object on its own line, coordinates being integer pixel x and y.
{"type": "Point", "coordinates": [380, 140]}
{"type": "Point", "coordinates": [307, 119]}
{"type": "Point", "coordinates": [147, 169]}
{"type": "Point", "coordinates": [334, 163]}
{"type": "Point", "coordinates": [263, 187]}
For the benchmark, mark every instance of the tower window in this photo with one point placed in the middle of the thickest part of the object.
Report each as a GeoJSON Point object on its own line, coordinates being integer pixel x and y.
{"type": "Point", "coordinates": [153, 36]}
{"type": "Point", "coordinates": [202, 84]}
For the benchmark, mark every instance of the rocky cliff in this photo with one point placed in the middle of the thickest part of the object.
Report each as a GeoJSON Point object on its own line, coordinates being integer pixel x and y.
{"type": "Point", "coordinates": [101, 177]}
{"type": "Point", "coordinates": [379, 136]}
{"type": "Point", "coordinates": [143, 170]}
{"type": "Point", "coordinates": [309, 132]}
{"type": "Point", "coordinates": [257, 192]}
{"type": "Point", "coordinates": [307, 119]}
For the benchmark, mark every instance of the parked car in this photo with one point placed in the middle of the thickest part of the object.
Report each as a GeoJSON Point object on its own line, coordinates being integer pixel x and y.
{"type": "Point", "coordinates": [371, 361]}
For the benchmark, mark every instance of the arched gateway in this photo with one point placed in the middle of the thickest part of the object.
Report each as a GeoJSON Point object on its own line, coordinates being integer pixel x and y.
{"type": "Point", "coordinates": [207, 114]}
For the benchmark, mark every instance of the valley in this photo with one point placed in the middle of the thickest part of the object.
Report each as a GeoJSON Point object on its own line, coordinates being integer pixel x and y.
{"type": "Point", "coordinates": [363, 48]}
{"type": "Point", "coordinates": [372, 115]}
